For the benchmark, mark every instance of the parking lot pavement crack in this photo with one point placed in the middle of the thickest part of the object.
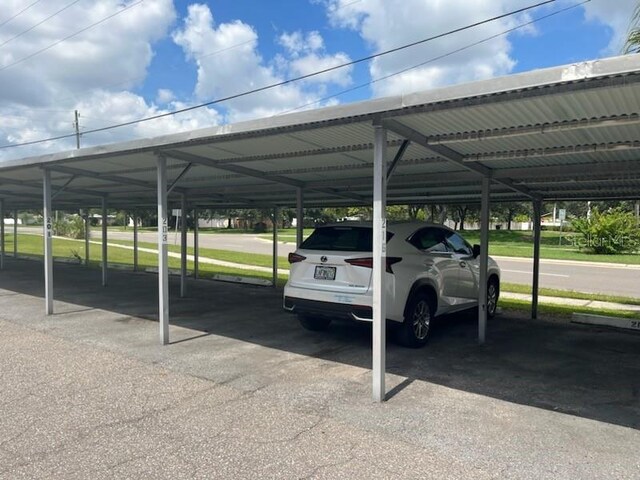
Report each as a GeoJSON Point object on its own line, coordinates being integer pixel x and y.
{"type": "Point", "coordinates": [308, 429]}
{"type": "Point", "coordinates": [8, 441]}
{"type": "Point", "coordinates": [72, 442]}
{"type": "Point", "coordinates": [291, 439]}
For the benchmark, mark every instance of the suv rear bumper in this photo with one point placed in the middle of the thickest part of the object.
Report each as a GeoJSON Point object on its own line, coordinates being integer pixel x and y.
{"type": "Point", "coordinates": [328, 309]}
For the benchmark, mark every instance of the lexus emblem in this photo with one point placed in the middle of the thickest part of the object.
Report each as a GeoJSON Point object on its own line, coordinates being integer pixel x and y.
{"type": "Point", "coordinates": [323, 259]}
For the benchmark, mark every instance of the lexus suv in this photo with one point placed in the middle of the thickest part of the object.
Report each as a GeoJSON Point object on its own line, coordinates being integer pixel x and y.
{"type": "Point", "coordinates": [430, 271]}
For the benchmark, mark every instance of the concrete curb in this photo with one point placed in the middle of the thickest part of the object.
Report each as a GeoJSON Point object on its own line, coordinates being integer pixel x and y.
{"type": "Point", "coordinates": [573, 302]}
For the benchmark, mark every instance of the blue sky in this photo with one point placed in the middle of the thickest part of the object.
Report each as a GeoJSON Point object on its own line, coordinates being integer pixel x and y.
{"type": "Point", "coordinates": [161, 55]}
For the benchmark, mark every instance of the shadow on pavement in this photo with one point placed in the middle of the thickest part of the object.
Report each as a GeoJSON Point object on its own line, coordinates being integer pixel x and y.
{"type": "Point", "coordinates": [584, 371]}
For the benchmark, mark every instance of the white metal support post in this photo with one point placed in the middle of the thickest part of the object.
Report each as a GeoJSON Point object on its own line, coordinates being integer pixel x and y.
{"type": "Point", "coordinates": [484, 260]}
{"type": "Point", "coordinates": [537, 216]}
{"type": "Point", "coordinates": [299, 216]}
{"type": "Point", "coordinates": [163, 257]}
{"type": "Point", "coordinates": [135, 240]}
{"type": "Point", "coordinates": [15, 233]}
{"type": "Point", "coordinates": [1, 234]}
{"type": "Point", "coordinates": [87, 237]}
{"type": "Point", "coordinates": [379, 262]}
{"type": "Point", "coordinates": [48, 244]}
{"type": "Point", "coordinates": [274, 278]}
{"type": "Point", "coordinates": [183, 246]}
{"type": "Point", "coordinates": [104, 241]}
{"type": "Point", "coordinates": [196, 252]}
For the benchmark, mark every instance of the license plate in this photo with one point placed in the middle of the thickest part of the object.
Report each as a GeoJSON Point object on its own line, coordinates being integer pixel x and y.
{"type": "Point", "coordinates": [324, 273]}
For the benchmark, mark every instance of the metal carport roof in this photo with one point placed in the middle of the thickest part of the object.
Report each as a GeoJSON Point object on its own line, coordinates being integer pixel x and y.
{"type": "Point", "coordinates": [562, 133]}
{"type": "Point", "coordinates": [568, 132]}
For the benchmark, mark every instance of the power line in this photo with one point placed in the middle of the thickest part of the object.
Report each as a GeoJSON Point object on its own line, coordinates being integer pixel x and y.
{"type": "Point", "coordinates": [211, 54]}
{"type": "Point", "coordinates": [434, 59]}
{"type": "Point", "coordinates": [71, 36]}
{"type": "Point", "coordinates": [19, 13]}
{"type": "Point", "coordinates": [288, 81]}
{"type": "Point", "coordinates": [39, 23]}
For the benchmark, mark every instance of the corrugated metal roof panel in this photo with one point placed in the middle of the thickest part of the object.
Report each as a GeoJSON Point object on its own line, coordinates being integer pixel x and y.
{"type": "Point", "coordinates": [334, 145]}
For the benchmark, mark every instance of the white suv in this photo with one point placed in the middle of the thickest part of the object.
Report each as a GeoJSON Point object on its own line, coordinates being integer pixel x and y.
{"type": "Point", "coordinates": [431, 270]}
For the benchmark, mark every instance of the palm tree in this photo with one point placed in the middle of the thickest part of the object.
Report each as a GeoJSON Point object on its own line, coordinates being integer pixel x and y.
{"type": "Point", "coordinates": [632, 44]}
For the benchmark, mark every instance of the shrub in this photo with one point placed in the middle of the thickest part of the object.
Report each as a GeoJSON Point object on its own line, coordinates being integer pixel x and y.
{"type": "Point", "coordinates": [611, 232]}
{"type": "Point", "coordinates": [69, 227]}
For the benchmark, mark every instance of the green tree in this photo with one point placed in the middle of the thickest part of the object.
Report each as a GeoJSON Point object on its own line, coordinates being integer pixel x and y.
{"type": "Point", "coordinates": [507, 212]}
{"type": "Point", "coordinates": [463, 213]}
{"type": "Point", "coordinates": [632, 45]}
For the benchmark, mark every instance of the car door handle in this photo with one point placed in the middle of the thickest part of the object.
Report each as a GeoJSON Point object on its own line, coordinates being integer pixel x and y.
{"type": "Point", "coordinates": [463, 264]}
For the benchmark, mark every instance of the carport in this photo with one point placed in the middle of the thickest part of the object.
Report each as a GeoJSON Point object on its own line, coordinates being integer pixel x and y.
{"type": "Point", "coordinates": [565, 133]}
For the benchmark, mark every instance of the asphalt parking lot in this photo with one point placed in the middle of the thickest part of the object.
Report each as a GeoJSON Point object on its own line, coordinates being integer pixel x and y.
{"type": "Point", "coordinates": [244, 392]}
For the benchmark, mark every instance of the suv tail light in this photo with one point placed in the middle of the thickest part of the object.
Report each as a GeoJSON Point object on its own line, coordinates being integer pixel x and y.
{"type": "Point", "coordinates": [367, 262]}
{"type": "Point", "coordinates": [295, 257]}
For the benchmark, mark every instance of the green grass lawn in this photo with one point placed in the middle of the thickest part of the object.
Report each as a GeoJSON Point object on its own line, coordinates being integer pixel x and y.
{"type": "Point", "coordinates": [225, 255]}
{"type": "Point", "coordinates": [553, 245]}
{"type": "Point", "coordinates": [74, 249]}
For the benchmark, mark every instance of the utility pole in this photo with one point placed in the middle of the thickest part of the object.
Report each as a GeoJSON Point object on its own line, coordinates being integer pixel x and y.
{"type": "Point", "coordinates": [76, 124]}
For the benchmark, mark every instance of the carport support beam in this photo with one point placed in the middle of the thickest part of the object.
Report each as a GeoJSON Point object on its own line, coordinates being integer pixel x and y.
{"type": "Point", "coordinates": [484, 260]}
{"type": "Point", "coordinates": [135, 240]}
{"type": "Point", "coordinates": [183, 246]}
{"type": "Point", "coordinates": [1, 234]}
{"type": "Point", "coordinates": [104, 241]}
{"type": "Point", "coordinates": [537, 216]}
{"type": "Point", "coordinates": [87, 236]}
{"type": "Point", "coordinates": [379, 262]}
{"type": "Point", "coordinates": [15, 233]}
{"type": "Point", "coordinates": [196, 252]}
{"type": "Point", "coordinates": [274, 279]}
{"type": "Point", "coordinates": [299, 216]}
{"type": "Point", "coordinates": [48, 243]}
{"type": "Point", "coordinates": [163, 257]}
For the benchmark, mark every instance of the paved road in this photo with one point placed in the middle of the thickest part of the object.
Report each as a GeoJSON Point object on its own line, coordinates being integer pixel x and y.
{"type": "Point", "coordinates": [612, 280]}
{"type": "Point", "coordinates": [579, 276]}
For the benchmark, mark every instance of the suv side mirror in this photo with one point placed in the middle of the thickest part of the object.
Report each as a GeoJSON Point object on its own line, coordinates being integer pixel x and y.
{"type": "Point", "coordinates": [476, 251]}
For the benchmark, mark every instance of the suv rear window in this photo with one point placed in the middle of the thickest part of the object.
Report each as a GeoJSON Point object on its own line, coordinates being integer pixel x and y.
{"type": "Point", "coordinates": [344, 239]}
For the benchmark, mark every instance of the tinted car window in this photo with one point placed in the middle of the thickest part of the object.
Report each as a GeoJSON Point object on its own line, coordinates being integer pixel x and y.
{"type": "Point", "coordinates": [345, 239]}
{"type": "Point", "coordinates": [459, 244]}
{"type": "Point", "coordinates": [429, 240]}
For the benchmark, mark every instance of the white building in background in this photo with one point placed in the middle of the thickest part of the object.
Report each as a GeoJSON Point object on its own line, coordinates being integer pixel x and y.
{"type": "Point", "coordinates": [213, 222]}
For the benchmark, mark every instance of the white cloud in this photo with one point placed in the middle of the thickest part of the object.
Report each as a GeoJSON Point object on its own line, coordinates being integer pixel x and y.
{"type": "Point", "coordinates": [308, 56]}
{"type": "Point", "coordinates": [615, 15]}
{"type": "Point", "coordinates": [100, 109]}
{"type": "Point", "coordinates": [386, 24]}
{"type": "Point", "coordinates": [90, 72]}
{"type": "Point", "coordinates": [164, 96]}
{"type": "Point", "coordinates": [296, 43]}
{"type": "Point", "coordinates": [229, 63]}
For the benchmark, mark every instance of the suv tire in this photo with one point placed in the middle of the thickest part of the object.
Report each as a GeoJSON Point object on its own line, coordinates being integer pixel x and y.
{"type": "Point", "coordinates": [414, 331]}
{"type": "Point", "coordinates": [493, 292]}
